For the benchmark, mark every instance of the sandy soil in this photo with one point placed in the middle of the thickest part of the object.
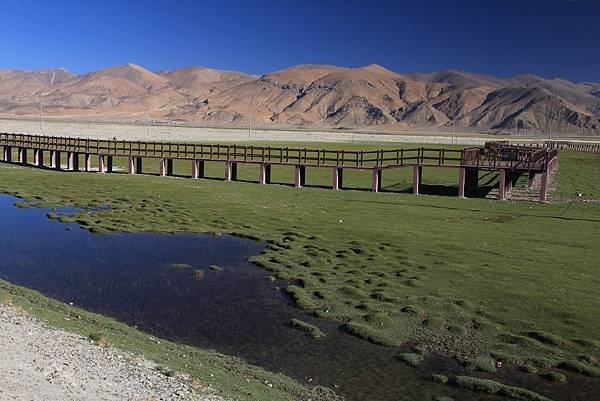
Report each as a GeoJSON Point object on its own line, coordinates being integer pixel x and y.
{"type": "Point", "coordinates": [40, 363]}
{"type": "Point", "coordinates": [129, 131]}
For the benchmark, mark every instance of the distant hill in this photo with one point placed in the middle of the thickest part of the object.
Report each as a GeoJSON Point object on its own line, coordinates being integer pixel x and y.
{"type": "Point", "coordinates": [308, 96]}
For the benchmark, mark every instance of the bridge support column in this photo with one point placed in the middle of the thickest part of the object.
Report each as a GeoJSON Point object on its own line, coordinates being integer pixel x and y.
{"type": "Point", "coordinates": [7, 154]}
{"type": "Point", "coordinates": [195, 169]}
{"type": "Point", "coordinates": [72, 161]}
{"type": "Point", "coordinates": [300, 176]}
{"type": "Point", "coordinates": [462, 177]}
{"type": "Point", "coordinates": [53, 158]}
{"type": "Point", "coordinates": [56, 160]}
{"type": "Point", "coordinates": [262, 174]}
{"type": "Point", "coordinates": [88, 162]}
{"type": "Point", "coordinates": [169, 167]}
{"type": "Point", "coordinates": [376, 180]}
{"type": "Point", "coordinates": [509, 182]}
{"type": "Point", "coordinates": [161, 167]}
{"type": "Point", "coordinates": [39, 157]}
{"type": "Point", "coordinates": [23, 155]}
{"type": "Point", "coordinates": [417, 175]}
{"type": "Point", "coordinates": [138, 165]}
{"type": "Point", "coordinates": [101, 167]}
{"type": "Point", "coordinates": [109, 164]}
{"type": "Point", "coordinates": [544, 187]}
{"type": "Point", "coordinates": [502, 185]}
{"type": "Point", "coordinates": [228, 167]}
{"type": "Point", "coordinates": [131, 165]}
{"type": "Point", "coordinates": [36, 157]}
{"type": "Point", "coordinates": [336, 178]}
{"type": "Point", "coordinates": [471, 181]}
{"type": "Point", "coordinates": [530, 178]}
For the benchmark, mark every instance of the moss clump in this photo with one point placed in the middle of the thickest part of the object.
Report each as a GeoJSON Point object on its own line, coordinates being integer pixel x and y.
{"type": "Point", "coordinates": [545, 338]}
{"type": "Point", "coordinates": [216, 268]}
{"type": "Point", "coordinates": [528, 369]}
{"type": "Point", "coordinates": [314, 331]}
{"type": "Point", "coordinates": [179, 266]}
{"type": "Point", "coordinates": [442, 379]}
{"type": "Point", "coordinates": [483, 363]}
{"type": "Point", "coordinates": [301, 298]}
{"type": "Point", "coordinates": [372, 334]}
{"type": "Point", "coordinates": [555, 377]}
{"type": "Point", "coordinates": [52, 215]}
{"type": "Point", "coordinates": [411, 358]}
{"type": "Point", "coordinates": [493, 387]}
{"type": "Point", "coordinates": [579, 367]}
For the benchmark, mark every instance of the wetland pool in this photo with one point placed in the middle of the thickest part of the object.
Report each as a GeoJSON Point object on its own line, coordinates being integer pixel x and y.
{"type": "Point", "coordinates": [237, 311]}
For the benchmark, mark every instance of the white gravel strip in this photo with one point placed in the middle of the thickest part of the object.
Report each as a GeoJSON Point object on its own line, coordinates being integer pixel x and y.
{"type": "Point", "coordinates": [42, 363]}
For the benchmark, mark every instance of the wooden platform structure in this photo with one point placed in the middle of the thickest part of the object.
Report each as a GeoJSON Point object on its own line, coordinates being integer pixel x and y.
{"type": "Point", "coordinates": [510, 161]}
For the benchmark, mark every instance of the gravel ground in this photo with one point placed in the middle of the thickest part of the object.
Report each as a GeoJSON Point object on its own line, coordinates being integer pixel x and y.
{"type": "Point", "coordinates": [41, 363]}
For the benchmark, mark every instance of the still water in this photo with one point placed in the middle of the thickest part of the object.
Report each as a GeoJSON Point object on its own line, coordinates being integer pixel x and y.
{"type": "Point", "coordinates": [237, 311]}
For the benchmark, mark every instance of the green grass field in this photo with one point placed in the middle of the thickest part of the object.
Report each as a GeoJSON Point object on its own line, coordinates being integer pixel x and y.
{"type": "Point", "coordinates": [470, 278]}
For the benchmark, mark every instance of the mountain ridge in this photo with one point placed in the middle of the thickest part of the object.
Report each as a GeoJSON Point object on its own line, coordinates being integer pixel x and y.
{"type": "Point", "coordinates": [308, 95]}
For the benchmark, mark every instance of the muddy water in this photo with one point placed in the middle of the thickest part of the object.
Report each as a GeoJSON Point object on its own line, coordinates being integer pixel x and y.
{"type": "Point", "coordinates": [237, 311]}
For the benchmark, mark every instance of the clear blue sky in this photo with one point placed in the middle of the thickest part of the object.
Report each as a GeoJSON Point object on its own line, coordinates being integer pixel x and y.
{"type": "Point", "coordinates": [553, 38]}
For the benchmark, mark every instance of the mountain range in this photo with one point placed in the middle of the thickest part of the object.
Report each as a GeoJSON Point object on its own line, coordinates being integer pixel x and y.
{"type": "Point", "coordinates": [307, 96]}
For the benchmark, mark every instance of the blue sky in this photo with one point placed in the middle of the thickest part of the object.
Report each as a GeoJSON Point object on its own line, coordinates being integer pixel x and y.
{"type": "Point", "coordinates": [553, 38]}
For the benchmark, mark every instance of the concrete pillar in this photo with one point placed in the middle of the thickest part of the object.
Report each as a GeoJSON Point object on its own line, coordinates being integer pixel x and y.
{"type": "Point", "coordinates": [169, 167]}
{"type": "Point", "coordinates": [299, 176]}
{"type": "Point", "coordinates": [234, 171]}
{"type": "Point", "coordinates": [462, 175]}
{"type": "Point", "coordinates": [22, 155]}
{"type": "Point", "coordinates": [57, 158]}
{"type": "Point", "coordinates": [53, 158]}
{"type": "Point", "coordinates": [131, 165]}
{"type": "Point", "coordinates": [471, 181]}
{"type": "Point", "coordinates": [101, 167]}
{"type": "Point", "coordinates": [544, 187]}
{"type": "Point", "coordinates": [138, 165]}
{"type": "Point", "coordinates": [417, 175]}
{"type": "Point", "coordinates": [502, 185]}
{"type": "Point", "coordinates": [228, 171]}
{"type": "Point", "coordinates": [161, 167]}
{"type": "Point", "coordinates": [36, 157]}
{"type": "Point", "coordinates": [40, 159]}
{"type": "Point", "coordinates": [262, 174]}
{"type": "Point", "coordinates": [200, 168]}
{"type": "Point", "coordinates": [194, 169]}
{"type": "Point", "coordinates": [335, 179]}
{"type": "Point", "coordinates": [509, 182]}
{"type": "Point", "coordinates": [7, 154]}
{"type": "Point", "coordinates": [72, 161]}
{"type": "Point", "coordinates": [88, 162]}
{"type": "Point", "coordinates": [109, 164]}
{"type": "Point", "coordinates": [375, 184]}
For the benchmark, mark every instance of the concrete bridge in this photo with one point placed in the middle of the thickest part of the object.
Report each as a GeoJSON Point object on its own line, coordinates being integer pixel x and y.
{"type": "Point", "coordinates": [510, 161]}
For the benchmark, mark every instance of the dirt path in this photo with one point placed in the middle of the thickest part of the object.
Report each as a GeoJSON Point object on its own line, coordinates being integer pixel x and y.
{"type": "Point", "coordinates": [40, 363]}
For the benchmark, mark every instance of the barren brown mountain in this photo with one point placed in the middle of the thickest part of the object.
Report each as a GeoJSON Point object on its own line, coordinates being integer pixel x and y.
{"type": "Point", "coordinates": [308, 96]}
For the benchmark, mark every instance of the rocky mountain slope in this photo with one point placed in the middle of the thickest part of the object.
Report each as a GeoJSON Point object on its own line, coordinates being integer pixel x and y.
{"type": "Point", "coordinates": [308, 96]}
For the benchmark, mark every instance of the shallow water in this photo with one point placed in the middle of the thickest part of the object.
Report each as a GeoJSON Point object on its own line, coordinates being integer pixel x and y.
{"type": "Point", "coordinates": [237, 311]}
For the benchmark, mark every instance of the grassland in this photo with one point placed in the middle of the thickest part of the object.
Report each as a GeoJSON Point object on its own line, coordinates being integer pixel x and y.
{"type": "Point", "coordinates": [475, 279]}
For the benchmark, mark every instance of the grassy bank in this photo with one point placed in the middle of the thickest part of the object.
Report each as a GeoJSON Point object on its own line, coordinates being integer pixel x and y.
{"type": "Point", "coordinates": [473, 278]}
